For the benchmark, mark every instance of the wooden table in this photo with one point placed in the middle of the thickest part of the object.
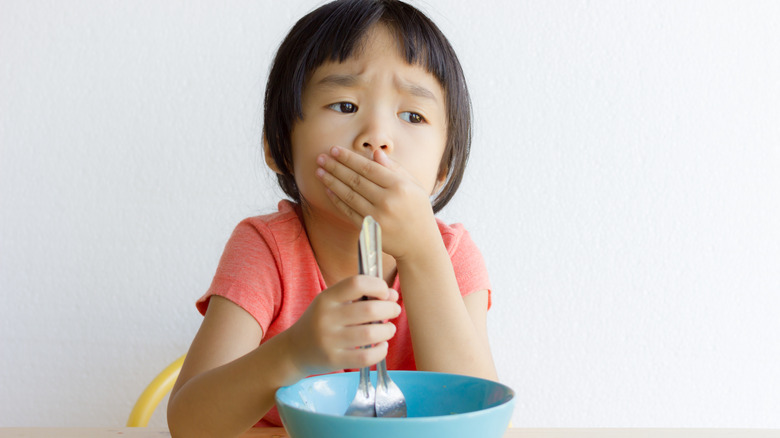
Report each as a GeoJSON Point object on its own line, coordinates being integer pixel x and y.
{"type": "Point", "coordinates": [144, 432]}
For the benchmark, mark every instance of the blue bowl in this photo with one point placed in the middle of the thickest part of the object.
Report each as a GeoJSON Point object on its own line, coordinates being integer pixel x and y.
{"type": "Point", "coordinates": [438, 404]}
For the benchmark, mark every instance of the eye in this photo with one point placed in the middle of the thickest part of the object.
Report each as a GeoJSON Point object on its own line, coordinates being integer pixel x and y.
{"type": "Point", "coordinates": [411, 117]}
{"type": "Point", "coordinates": [344, 107]}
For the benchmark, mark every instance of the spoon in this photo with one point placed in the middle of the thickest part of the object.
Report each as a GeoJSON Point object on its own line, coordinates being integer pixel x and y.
{"type": "Point", "coordinates": [387, 400]}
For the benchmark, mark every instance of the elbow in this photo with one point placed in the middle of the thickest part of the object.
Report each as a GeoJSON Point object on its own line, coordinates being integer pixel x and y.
{"type": "Point", "coordinates": [175, 423]}
{"type": "Point", "coordinates": [179, 423]}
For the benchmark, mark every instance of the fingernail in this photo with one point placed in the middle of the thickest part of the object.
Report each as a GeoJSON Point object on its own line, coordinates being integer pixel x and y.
{"type": "Point", "coordinates": [321, 160]}
{"type": "Point", "coordinates": [335, 151]}
{"type": "Point", "coordinates": [320, 172]}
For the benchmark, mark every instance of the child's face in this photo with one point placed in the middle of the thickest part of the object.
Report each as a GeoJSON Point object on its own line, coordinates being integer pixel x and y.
{"type": "Point", "coordinates": [372, 100]}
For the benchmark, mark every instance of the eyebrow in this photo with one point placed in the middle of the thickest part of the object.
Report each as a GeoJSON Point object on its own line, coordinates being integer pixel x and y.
{"type": "Point", "coordinates": [417, 90]}
{"type": "Point", "coordinates": [349, 81]}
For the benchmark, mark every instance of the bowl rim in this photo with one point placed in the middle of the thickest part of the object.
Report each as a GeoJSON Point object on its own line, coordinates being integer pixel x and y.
{"type": "Point", "coordinates": [509, 400]}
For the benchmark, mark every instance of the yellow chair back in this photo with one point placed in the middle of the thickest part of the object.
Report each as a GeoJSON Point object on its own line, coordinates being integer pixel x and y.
{"type": "Point", "coordinates": [153, 394]}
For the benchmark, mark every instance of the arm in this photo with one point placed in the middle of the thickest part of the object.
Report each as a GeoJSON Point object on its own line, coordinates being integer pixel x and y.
{"type": "Point", "coordinates": [448, 330]}
{"type": "Point", "coordinates": [225, 387]}
{"type": "Point", "coordinates": [228, 382]}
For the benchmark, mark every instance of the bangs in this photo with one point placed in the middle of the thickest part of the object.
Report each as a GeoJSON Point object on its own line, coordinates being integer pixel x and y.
{"type": "Point", "coordinates": [340, 34]}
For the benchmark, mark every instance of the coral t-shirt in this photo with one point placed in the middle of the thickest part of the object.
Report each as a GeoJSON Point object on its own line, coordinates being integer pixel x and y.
{"type": "Point", "coordinates": [268, 269]}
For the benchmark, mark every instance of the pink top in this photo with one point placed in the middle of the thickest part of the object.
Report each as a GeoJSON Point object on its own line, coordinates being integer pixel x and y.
{"type": "Point", "coordinates": [268, 269]}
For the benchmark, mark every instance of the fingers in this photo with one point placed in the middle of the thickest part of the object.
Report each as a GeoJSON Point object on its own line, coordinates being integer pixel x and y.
{"type": "Point", "coordinates": [354, 182]}
{"type": "Point", "coordinates": [364, 345]}
{"type": "Point", "coordinates": [359, 336]}
{"type": "Point", "coordinates": [380, 305]}
{"type": "Point", "coordinates": [345, 300]}
{"type": "Point", "coordinates": [337, 325]}
{"type": "Point", "coordinates": [382, 158]}
{"type": "Point", "coordinates": [364, 357]}
{"type": "Point", "coordinates": [363, 166]}
{"type": "Point", "coordinates": [366, 312]}
{"type": "Point", "coordinates": [358, 286]}
{"type": "Point", "coordinates": [392, 295]}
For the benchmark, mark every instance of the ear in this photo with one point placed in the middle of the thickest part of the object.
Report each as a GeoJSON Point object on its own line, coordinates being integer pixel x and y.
{"type": "Point", "coordinates": [269, 159]}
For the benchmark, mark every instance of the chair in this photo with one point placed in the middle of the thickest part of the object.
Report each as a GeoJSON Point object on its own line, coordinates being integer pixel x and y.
{"type": "Point", "coordinates": [153, 394]}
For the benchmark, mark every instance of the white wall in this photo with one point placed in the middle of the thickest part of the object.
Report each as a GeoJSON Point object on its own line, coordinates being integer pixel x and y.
{"type": "Point", "coordinates": [624, 188]}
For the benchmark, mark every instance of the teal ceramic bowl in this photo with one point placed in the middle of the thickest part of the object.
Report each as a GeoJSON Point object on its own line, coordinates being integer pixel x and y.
{"type": "Point", "coordinates": [438, 404]}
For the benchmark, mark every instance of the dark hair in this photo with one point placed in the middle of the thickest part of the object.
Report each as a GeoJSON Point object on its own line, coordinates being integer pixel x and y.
{"type": "Point", "coordinates": [332, 32]}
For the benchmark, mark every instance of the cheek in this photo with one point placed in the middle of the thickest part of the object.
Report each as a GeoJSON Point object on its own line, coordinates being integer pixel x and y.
{"type": "Point", "coordinates": [315, 137]}
{"type": "Point", "coordinates": [423, 163]}
{"type": "Point", "coordinates": [303, 156]}
{"type": "Point", "coordinates": [306, 145]}
{"type": "Point", "coordinates": [310, 139]}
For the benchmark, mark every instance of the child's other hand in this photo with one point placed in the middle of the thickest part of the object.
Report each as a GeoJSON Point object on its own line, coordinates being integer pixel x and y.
{"type": "Point", "coordinates": [328, 335]}
{"type": "Point", "coordinates": [383, 189]}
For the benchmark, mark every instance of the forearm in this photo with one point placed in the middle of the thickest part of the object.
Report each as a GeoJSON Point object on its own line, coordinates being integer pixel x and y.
{"type": "Point", "coordinates": [228, 400]}
{"type": "Point", "coordinates": [443, 333]}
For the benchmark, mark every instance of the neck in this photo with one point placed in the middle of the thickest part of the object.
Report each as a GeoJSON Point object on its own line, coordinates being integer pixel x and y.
{"type": "Point", "coordinates": [334, 242]}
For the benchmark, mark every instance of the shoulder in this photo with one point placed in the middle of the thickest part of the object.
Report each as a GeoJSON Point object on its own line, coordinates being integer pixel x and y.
{"type": "Point", "coordinates": [285, 221]}
{"type": "Point", "coordinates": [251, 267]}
{"type": "Point", "coordinates": [455, 236]}
{"type": "Point", "coordinates": [467, 261]}
{"type": "Point", "coordinates": [262, 242]}
{"type": "Point", "coordinates": [281, 227]}
{"type": "Point", "coordinates": [464, 254]}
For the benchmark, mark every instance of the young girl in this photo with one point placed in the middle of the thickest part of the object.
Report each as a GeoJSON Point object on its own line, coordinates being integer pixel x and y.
{"type": "Point", "coordinates": [366, 113]}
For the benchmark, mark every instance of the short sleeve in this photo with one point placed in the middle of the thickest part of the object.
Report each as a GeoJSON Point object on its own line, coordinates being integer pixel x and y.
{"type": "Point", "coordinates": [470, 269]}
{"type": "Point", "coordinates": [248, 273]}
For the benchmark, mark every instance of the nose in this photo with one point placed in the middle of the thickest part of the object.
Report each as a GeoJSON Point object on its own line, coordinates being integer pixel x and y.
{"type": "Point", "coordinates": [372, 148]}
{"type": "Point", "coordinates": [374, 134]}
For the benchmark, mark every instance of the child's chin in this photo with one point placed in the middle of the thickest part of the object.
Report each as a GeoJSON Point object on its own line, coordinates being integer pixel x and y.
{"type": "Point", "coordinates": [321, 208]}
